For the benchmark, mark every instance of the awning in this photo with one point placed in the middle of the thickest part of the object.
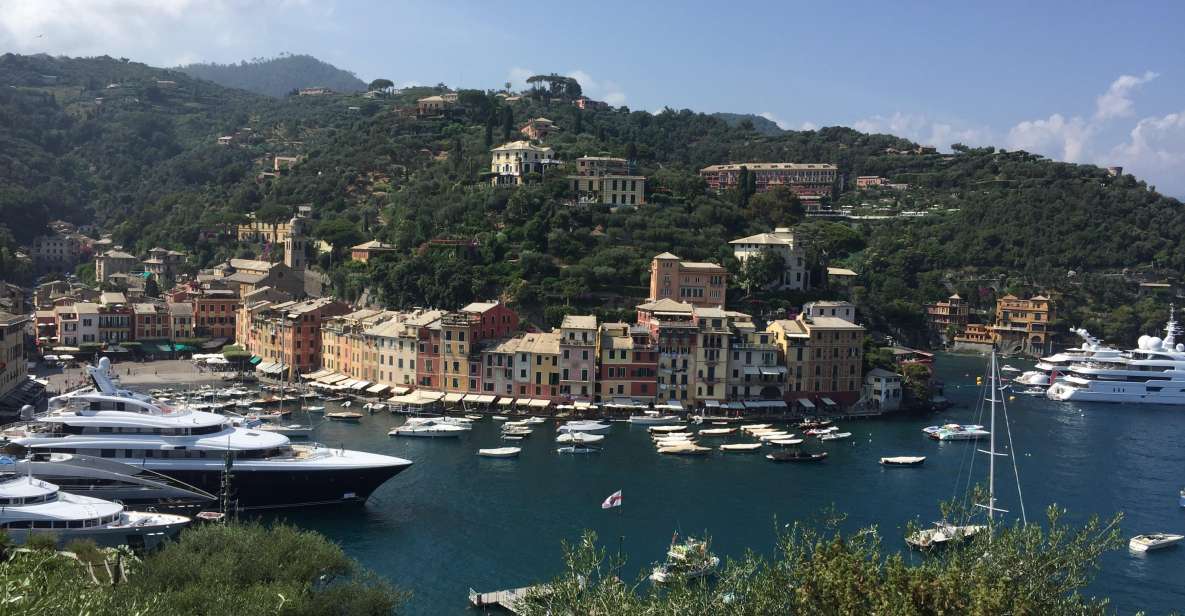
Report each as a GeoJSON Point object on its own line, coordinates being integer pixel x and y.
{"type": "Point", "coordinates": [673, 405]}
{"type": "Point", "coordinates": [828, 401]}
{"type": "Point", "coordinates": [452, 398]}
{"type": "Point", "coordinates": [711, 403]}
{"type": "Point", "coordinates": [582, 406]}
{"type": "Point", "coordinates": [332, 377]}
{"type": "Point", "coordinates": [774, 371]}
{"type": "Point", "coordinates": [752, 370]}
{"type": "Point", "coordinates": [66, 349]}
{"type": "Point", "coordinates": [806, 404]}
{"type": "Point", "coordinates": [399, 390]}
{"type": "Point", "coordinates": [347, 384]}
{"type": "Point", "coordinates": [506, 402]}
{"type": "Point", "coordinates": [540, 404]}
{"type": "Point", "coordinates": [736, 406]}
{"type": "Point", "coordinates": [765, 404]}
{"type": "Point", "coordinates": [255, 360]}
{"type": "Point", "coordinates": [264, 366]}
{"type": "Point", "coordinates": [479, 398]}
{"type": "Point", "coordinates": [316, 375]}
{"type": "Point", "coordinates": [377, 389]}
{"type": "Point", "coordinates": [360, 385]}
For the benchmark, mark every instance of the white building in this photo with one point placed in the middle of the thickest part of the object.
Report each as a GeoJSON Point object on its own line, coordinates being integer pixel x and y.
{"type": "Point", "coordinates": [783, 243]}
{"type": "Point", "coordinates": [510, 163]}
{"type": "Point", "coordinates": [882, 390]}
{"type": "Point", "coordinates": [838, 309]}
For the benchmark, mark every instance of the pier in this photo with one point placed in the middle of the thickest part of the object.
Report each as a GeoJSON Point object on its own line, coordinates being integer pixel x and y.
{"type": "Point", "coordinates": [505, 599]}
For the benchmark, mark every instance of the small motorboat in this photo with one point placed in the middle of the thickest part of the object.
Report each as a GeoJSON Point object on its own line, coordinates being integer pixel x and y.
{"type": "Point", "coordinates": [428, 430]}
{"type": "Point", "coordinates": [835, 436]}
{"type": "Point", "coordinates": [717, 431]}
{"type": "Point", "coordinates": [687, 560]}
{"type": "Point", "coordinates": [796, 456]}
{"type": "Point", "coordinates": [1008, 368]}
{"type": "Point", "coordinates": [519, 432]}
{"type": "Point", "coordinates": [315, 409]}
{"type": "Point", "coordinates": [500, 452]}
{"type": "Point", "coordinates": [740, 447]}
{"type": "Point", "coordinates": [785, 442]}
{"type": "Point", "coordinates": [903, 460]}
{"type": "Point", "coordinates": [772, 436]}
{"type": "Point", "coordinates": [500, 418]}
{"type": "Point", "coordinates": [1154, 541]}
{"type": "Point", "coordinates": [344, 416]}
{"type": "Point", "coordinates": [752, 427]}
{"type": "Point", "coordinates": [1182, 498]}
{"type": "Point", "coordinates": [652, 417]}
{"type": "Point", "coordinates": [666, 429]}
{"type": "Point", "coordinates": [578, 448]}
{"type": "Point", "coordinates": [579, 437]}
{"type": "Point", "coordinates": [368, 407]}
{"type": "Point", "coordinates": [820, 431]}
{"type": "Point", "coordinates": [811, 423]}
{"type": "Point", "coordinates": [293, 431]}
{"type": "Point", "coordinates": [511, 437]}
{"type": "Point", "coordinates": [347, 403]}
{"type": "Point", "coordinates": [584, 426]}
{"type": "Point", "coordinates": [474, 417]}
{"type": "Point", "coordinates": [534, 420]}
{"type": "Point", "coordinates": [943, 533]}
{"type": "Point", "coordinates": [335, 398]}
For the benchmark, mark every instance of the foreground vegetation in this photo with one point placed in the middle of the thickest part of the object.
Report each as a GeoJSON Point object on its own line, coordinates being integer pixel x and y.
{"type": "Point", "coordinates": [1029, 570]}
{"type": "Point", "coordinates": [213, 570]}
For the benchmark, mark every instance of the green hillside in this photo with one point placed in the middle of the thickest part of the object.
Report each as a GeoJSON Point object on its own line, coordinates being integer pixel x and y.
{"type": "Point", "coordinates": [990, 221]}
{"type": "Point", "coordinates": [277, 77]}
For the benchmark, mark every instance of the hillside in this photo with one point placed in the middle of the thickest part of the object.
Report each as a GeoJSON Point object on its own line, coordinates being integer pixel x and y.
{"type": "Point", "coordinates": [762, 125]}
{"type": "Point", "coordinates": [991, 221]}
{"type": "Point", "coordinates": [277, 77]}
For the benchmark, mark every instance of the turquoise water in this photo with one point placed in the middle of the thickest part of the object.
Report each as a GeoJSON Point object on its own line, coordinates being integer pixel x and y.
{"type": "Point", "coordinates": [455, 521]}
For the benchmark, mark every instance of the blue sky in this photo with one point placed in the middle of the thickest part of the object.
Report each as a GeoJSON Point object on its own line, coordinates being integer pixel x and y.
{"type": "Point", "coordinates": [1086, 82]}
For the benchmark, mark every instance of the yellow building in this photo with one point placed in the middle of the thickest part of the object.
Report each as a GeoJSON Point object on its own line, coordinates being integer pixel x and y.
{"type": "Point", "coordinates": [511, 163]}
{"type": "Point", "coordinates": [13, 369]}
{"type": "Point", "coordinates": [823, 358]}
{"type": "Point", "coordinates": [1023, 324]}
{"type": "Point", "coordinates": [264, 232]}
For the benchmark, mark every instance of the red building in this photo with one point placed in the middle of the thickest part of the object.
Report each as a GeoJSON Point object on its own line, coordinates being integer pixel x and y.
{"type": "Point", "coordinates": [805, 180]}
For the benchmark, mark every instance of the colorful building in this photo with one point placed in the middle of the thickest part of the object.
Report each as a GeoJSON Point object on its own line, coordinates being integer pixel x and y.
{"type": "Point", "coordinates": [608, 181]}
{"type": "Point", "coordinates": [782, 243]}
{"type": "Point", "coordinates": [286, 336]}
{"type": "Point", "coordinates": [823, 358]}
{"type": "Point", "coordinates": [809, 180]}
{"type": "Point", "coordinates": [578, 357]}
{"type": "Point", "coordinates": [1023, 324]}
{"type": "Point", "coordinates": [699, 284]}
{"type": "Point", "coordinates": [511, 163]}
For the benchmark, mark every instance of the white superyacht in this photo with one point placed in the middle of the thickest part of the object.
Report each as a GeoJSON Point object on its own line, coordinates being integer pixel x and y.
{"type": "Point", "coordinates": [1151, 373]}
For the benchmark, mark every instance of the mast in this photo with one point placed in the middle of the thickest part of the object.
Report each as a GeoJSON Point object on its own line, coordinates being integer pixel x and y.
{"type": "Point", "coordinates": [992, 447]}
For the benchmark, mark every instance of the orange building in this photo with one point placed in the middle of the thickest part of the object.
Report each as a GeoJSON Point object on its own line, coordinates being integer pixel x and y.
{"type": "Point", "coordinates": [699, 284]}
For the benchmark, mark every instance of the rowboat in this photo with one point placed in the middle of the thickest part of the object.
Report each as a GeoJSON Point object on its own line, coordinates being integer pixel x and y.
{"type": "Point", "coordinates": [903, 460]}
{"type": "Point", "coordinates": [785, 442]}
{"type": "Point", "coordinates": [796, 456]}
{"type": "Point", "coordinates": [687, 449]}
{"type": "Point", "coordinates": [666, 429]}
{"type": "Point", "coordinates": [500, 452]}
{"type": "Point", "coordinates": [344, 416]}
{"type": "Point", "coordinates": [741, 447]}
{"type": "Point", "coordinates": [717, 431]}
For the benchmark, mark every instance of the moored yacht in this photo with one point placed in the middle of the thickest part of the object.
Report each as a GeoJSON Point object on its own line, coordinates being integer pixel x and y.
{"type": "Point", "coordinates": [1151, 373]}
{"type": "Point", "coordinates": [109, 480]}
{"type": "Point", "coordinates": [30, 507]}
{"type": "Point", "coordinates": [1057, 366]}
{"type": "Point", "coordinates": [266, 469]}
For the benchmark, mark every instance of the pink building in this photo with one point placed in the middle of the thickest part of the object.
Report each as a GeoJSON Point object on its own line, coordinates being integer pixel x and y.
{"type": "Point", "coordinates": [700, 284]}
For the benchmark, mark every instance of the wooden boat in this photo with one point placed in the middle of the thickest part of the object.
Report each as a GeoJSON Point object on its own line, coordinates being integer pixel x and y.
{"type": "Point", "coordinates": [1155, 541]}
{"type": "Point", "coordinates": [903, 460]}
{"type": "Point", "coordinates": [344, 416]}
{"type": "Point", "coordinates": [741, 447]}
{"type": "Point", "coordinates": [796, 456]}
{"type": "Point", "coordinates": [717, 431]}
{"type": "Point", "coordinates": [688, 449]}
{"type": "Point", "coordinates": [500, 452]}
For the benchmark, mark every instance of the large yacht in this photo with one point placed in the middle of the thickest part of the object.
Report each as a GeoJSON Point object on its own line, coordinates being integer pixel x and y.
{"type": "Point", "coordinates": [1057, 366]}
{"type": "Point", "coordinates": [110, 480]}
{"type": "Point", "coordinates": [30, 507]}
{"type": "Point", "coordinates": [202, 449]}
{"type": "Point", "coordinates": [1151, 373]}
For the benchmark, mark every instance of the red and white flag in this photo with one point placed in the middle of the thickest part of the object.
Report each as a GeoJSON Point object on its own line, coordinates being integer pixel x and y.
{"type": "Point", "coordinates": [614, 500]}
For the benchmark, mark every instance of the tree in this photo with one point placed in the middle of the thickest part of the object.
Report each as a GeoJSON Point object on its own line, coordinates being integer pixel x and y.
{"type": "Point", "coordinates": [273, 213]}
{"type": "Point", "coordinates": [762, 270]}
{"type": "Point", "coordinates": [152, 287]}
{"type": "Point", "coordinates": [507, 123]}
{"type": "Point", "coordinates": [1018, 569]}
{"type": "Point", "coordinates": [381, 85]}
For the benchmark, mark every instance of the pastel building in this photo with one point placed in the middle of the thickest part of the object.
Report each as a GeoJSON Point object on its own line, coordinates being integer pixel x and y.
{"type": "Point", "coordinates": [511, 163]}
{"type": "Point", "coordinates": [578, 357]}
{"type": "Point", "coordinates": [823, 358]}
{"type": "Point", "coordinates": [287, 335]}
{"type": "Point", "coordinates": [806, 180]}
{"type": "Point", "coordinates": [699, 284]}
{"type": "Point", "coordinates": [608, 181]}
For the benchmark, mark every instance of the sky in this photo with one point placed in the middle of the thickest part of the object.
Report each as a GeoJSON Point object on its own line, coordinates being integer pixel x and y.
{"type": "Point", "coordinates": [1083, 81]}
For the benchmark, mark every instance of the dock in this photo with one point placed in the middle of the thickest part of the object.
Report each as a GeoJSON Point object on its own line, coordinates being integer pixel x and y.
{"type": "Point", "coordinates": [505, 599]}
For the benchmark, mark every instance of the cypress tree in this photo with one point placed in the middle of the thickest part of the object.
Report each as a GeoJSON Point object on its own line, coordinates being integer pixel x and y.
{"type": "Point", "coordinates": [507, 123]}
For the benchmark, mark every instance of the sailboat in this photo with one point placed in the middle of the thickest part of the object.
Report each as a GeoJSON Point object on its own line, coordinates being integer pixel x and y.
{"type": "Point", "coordinates": [945, 532]}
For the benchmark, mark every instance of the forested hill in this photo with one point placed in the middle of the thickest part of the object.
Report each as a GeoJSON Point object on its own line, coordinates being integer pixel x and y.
{"type": "Point", "coordinates": [277, 76]}
{"type": "Point", "coordinates": [143, 163]}
{"type": "Point", "coordinates": [765, 126]}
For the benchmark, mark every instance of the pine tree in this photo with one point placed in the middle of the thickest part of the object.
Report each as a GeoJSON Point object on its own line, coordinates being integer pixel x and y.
{"type": "Point", "coordinates": [578, 123]}
{"type": "Point", "coordinates": [507, 123]}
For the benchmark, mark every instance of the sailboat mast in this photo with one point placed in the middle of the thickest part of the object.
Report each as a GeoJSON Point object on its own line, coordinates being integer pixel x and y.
{"type": "Point", "coordinates": [992, 448]}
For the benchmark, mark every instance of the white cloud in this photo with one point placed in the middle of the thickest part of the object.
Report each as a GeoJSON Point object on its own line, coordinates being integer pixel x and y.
{"type": "Point", "coordinates": [1116, 102]}
{"type": "Point", "coordinates": [1156, 149]}
{"type": "Point", "coordinates": [808, 126]}
{"type": "Point", "coordinates": [1070, 138]}
{"type": "Point", "coordinates": [922, 129]}
{"type": "Point", "coordinates": [518, 77]}
{"type": "Point", "coordinates": [769, 115]}
{"type": "Point", "coordinates": [159, 32]}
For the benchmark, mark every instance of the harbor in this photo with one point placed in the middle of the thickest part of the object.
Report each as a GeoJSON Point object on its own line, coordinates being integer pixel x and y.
{"type": "Point", "coordinates": [452, 521]}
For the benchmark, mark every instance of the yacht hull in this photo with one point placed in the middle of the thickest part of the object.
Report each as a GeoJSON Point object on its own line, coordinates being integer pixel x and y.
{"type": "Point", "coordinates": [142, 538]}
{"type": "Point", "coordinates": [290, 488]}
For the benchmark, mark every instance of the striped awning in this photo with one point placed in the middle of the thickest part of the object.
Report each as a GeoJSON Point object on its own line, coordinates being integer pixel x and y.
{"type": "Point", "coordinates": [506, 402]}
{"type": "Point", "coordinates": [539, 404]}
{"type": "Point", "coordinates": [360, 385]}
{"type": "Point", "coordinates": [377, 389]}
{"type": "Point", "coordinates": [806, 403]}
{"type": "Point", "coordinates": [316, 375]}
{"type": "Point", "coordinates": [453, 397]}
